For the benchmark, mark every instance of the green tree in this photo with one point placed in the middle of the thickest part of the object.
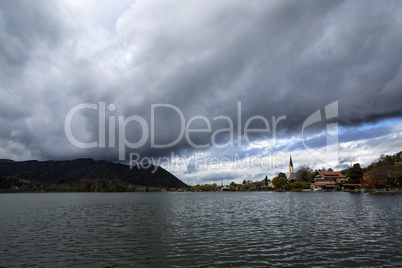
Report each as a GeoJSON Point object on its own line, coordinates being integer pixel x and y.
{"type": "Point", "coordinates": [214, 187]}
{"type": "Point", "coordinates": [299, 185]}
{"type": "Point", "coordinates": [232, 188]}
{"type": "Point", "coordinates": [355, 173]}
{"type": "Point", "coordinates": [385, 160]}
{"type": "Point", "coordinates": [282, 175]}
{"type": "Point", "coordinates": [266, 181]}
{"type": "Point", "coordinates": [280, 182]}
{"type": "Point", "coordinates": [206, 187]}
{"type": "Point", "coordinates": [305, 174]}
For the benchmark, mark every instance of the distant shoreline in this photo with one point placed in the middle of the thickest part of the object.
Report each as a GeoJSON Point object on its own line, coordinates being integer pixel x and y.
{"type": "Point", "coordinates": [351, 192]}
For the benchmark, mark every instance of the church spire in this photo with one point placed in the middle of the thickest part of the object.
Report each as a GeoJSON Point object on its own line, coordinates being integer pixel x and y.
{"type": "Point", "coordinates": [290, 165]}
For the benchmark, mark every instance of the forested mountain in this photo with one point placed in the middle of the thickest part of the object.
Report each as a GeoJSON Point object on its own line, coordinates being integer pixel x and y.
{"type": "Point", "coordinates": [73, 172]}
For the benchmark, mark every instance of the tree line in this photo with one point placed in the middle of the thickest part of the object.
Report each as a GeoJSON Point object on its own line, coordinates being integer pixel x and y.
{"type": "Point", "coordinates": [13, 184]}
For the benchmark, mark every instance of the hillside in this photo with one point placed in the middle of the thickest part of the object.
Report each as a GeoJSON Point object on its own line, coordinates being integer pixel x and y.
{"type": "Point", "coordinates": [73, 171]}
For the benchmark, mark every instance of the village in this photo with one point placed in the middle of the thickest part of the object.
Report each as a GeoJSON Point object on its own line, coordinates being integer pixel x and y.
{"type": "Point", "coordinates": [382, 176]}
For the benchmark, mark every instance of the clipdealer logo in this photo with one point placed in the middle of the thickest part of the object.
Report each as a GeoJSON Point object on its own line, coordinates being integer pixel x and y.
{"type": "Point", "coordinates": [237, 137]}
{"type": "Point", "coordinates": [147, 133]}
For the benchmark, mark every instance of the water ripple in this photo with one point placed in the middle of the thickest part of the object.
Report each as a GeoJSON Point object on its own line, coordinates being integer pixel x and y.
{"type": "Point", "coordinates": [200, 230]}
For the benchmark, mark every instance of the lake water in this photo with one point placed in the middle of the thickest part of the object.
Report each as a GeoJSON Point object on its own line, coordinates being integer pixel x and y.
{"type": "Point", "coordinates": [245, 229]}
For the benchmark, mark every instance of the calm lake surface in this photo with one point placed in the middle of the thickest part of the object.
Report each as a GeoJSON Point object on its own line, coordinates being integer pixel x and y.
{"type": "Point", "coordinates": [249, 229]}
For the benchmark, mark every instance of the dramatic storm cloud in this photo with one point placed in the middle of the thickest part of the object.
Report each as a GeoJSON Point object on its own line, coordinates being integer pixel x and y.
{"type": "Point", "coordinates": [234, 59]}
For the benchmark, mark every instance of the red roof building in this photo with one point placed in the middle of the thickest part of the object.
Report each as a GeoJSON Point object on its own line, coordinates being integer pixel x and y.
{"type": "Point", "coordinates": [329, 175]}
{"type": "Point", "coordinates": [327, 180]}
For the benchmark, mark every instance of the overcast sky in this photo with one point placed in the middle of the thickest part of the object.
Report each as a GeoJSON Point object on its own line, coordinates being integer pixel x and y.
{"type": "Point", "coordinates": [233, 59]}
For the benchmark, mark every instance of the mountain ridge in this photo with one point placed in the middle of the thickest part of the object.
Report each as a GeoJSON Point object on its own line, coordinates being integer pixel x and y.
{"type": "Point", "coordinates": [70, 171]}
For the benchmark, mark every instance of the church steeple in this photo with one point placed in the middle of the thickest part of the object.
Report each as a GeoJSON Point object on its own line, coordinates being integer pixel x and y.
{"type": "Point", "coordinates": [290, 165]}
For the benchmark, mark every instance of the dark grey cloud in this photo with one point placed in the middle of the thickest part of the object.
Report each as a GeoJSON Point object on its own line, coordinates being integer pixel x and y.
{"type": "Point", "coordinates": [277, 58]}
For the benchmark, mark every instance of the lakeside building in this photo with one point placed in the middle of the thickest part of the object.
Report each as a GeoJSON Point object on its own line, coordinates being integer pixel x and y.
{"type": "Point", "coordinates": [327, 180]}
{"type": "Point", "coordinates": [257, 185]}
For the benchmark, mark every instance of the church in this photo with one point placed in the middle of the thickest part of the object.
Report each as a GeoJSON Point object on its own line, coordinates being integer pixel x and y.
{"type": "Point", "coordinates": [292, 175]}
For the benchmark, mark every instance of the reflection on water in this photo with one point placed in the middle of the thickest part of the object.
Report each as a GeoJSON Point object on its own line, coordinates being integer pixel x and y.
{"type": "Point", "coordinates": [256, 229]}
